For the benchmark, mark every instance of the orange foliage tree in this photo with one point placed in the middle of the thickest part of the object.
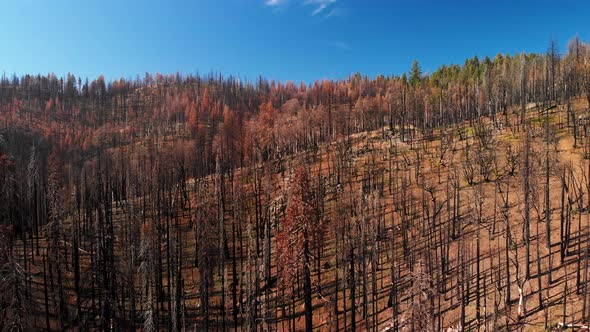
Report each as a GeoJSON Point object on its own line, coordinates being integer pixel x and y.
{"type": "Point", "coordinates": [300, 235]}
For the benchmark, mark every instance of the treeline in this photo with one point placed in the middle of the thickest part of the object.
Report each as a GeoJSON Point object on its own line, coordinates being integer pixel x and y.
{"type": "Point", "coordinates": [176, 201]}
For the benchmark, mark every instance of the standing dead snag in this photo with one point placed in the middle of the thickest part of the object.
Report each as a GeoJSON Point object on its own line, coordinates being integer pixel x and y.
{"type": "Point", "coordinates": [547, 197]}
{"type": "Point", "coordinates": [205, 220]}
{"type": "Point", "coordinates": [13, 300]}
{"type": "Point", "coordinates": [6, 243]}
{"type": "Point", "coordinates": [527, 192]}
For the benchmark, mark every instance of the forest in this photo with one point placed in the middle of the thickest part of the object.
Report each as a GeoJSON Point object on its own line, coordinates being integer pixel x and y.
{"type": "Point", "coordinates": [457, 200]}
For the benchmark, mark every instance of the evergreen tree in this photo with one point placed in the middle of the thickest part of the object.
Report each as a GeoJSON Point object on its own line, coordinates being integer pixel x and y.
{"type": "Point", "coordinates": [415, 73]}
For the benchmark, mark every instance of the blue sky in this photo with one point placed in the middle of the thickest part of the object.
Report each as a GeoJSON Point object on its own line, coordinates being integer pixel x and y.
{"type": "Point", "coordinates": [278, 39]}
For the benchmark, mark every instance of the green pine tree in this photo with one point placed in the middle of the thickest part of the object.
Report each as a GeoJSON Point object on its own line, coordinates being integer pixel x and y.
{"type": "Point", "coordinates": [415, 73]}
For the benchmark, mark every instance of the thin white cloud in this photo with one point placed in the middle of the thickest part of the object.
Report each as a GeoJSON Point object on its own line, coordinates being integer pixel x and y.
{"type": "Point", "coordinates": [319, 6]}
{"type": "Point", "coordinates": [318, 10]}
{"type": "Point", "coordinates": [274, 2]}
{"type": "Point", "coordinates": [336, 12]}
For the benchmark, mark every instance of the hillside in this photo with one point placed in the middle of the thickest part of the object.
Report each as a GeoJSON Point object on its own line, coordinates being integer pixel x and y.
{"type": "Point", "coordinates": [406, 210]}
{"type": "Point", "coordinates": [453, 201]}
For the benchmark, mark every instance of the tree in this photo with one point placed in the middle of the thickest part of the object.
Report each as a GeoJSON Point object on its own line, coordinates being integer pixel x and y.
{"type": "Point", "coordinates": [192, 118]}
{"type": "Point", "coordinates": [553, 58]}
{"type": "Point", "coordinates": [300, 234]}
{"type": "Point", "coordinates": [13, 300]}
{"type": "Point", "coordinates": [415, 74]}
{"type": "Point", "coordinates": [527, 194]}
{"type": "Point", "coordinates": [206, 216]}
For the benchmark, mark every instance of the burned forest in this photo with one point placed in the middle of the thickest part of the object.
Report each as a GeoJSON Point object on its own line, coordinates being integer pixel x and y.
{"type": "Point", "coordinates": [457, 200]}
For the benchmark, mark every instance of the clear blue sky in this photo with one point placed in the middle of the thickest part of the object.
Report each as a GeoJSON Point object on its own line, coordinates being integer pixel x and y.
{"type": "Point", "coordinates": [278, 39]}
